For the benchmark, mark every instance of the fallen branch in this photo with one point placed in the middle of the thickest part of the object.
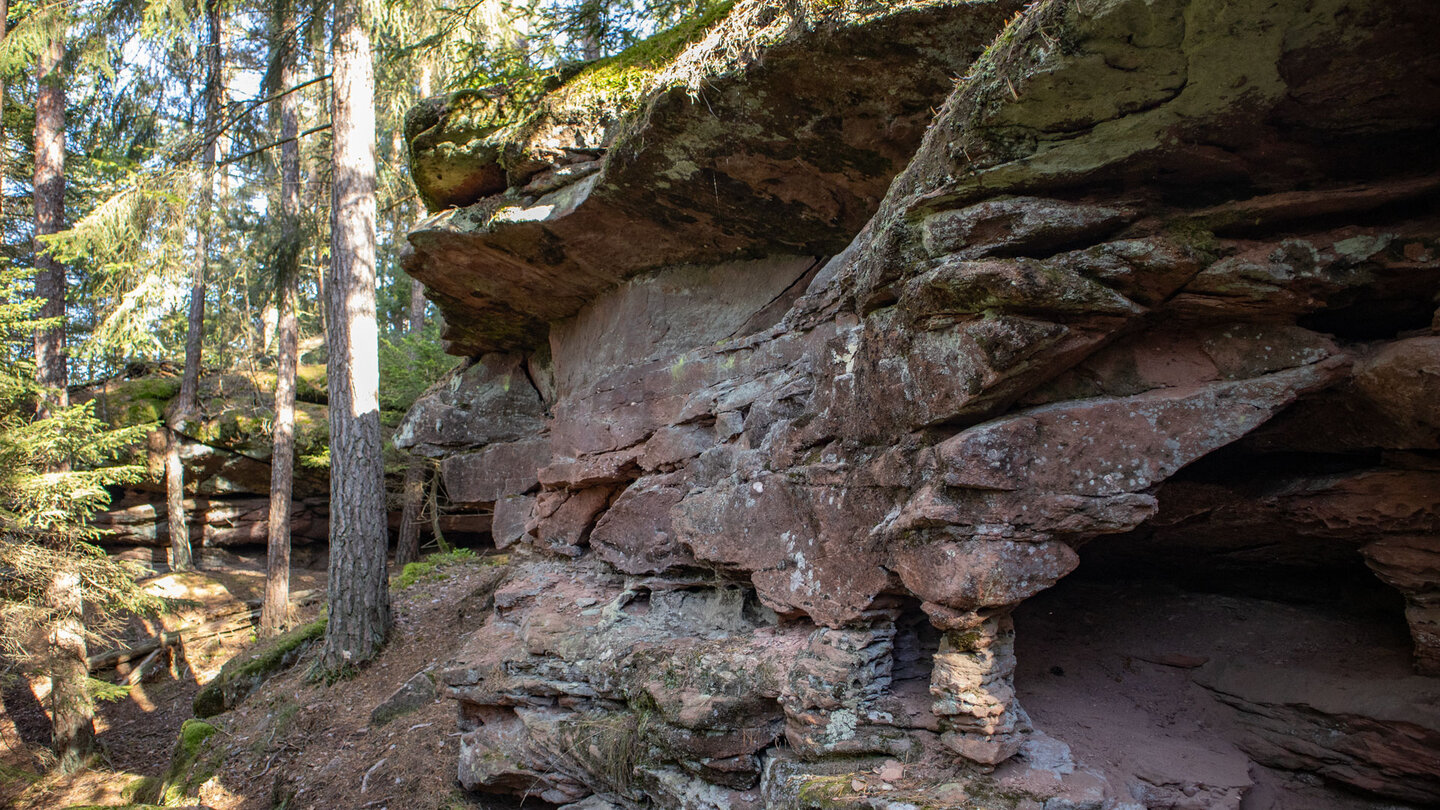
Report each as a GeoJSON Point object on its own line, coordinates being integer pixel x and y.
{"type": "Point", "coordinates": [365, 782]}
{"type": "Point", "coordinates": [138, 674]}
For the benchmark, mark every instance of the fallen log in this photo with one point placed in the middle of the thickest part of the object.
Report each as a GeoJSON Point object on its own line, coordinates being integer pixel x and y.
{"type": "Point", "coordinates": [243, 617]}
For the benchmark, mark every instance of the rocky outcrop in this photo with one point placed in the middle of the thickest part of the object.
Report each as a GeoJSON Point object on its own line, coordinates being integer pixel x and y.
{"type": "Point", "coordinates": [797, 113]}
{"type": "Point", "coordinates": [226, 453]}
{"type": "Point", "coordinates": [779, 457]}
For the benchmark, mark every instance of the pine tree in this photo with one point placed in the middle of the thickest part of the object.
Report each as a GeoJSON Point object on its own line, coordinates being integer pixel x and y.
{"type": "Point", "coordinates": [186, 404]}
{"type": "Point", "coordinates": [358, 593]}
{"type": "Point", "coordinates": [275, 613]}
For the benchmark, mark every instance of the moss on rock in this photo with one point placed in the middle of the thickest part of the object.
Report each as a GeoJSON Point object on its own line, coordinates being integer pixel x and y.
{"type": "Point", "coordinates": [190, 767]}
{"type": "Point", "coordinates": [477, 142]}
{"type": "Point", "coordinates": [243, 673]}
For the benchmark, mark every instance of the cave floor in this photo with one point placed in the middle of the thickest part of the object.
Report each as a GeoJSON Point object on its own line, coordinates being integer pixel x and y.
{"type": "Point", "coordinates": [1114, 666]}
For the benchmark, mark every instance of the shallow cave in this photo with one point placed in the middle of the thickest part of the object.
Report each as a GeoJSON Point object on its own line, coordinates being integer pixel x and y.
{"type": "Point", "coordinates": [1197, 678]}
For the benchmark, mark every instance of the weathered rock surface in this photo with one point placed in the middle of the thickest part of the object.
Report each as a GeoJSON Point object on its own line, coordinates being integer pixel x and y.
{"type": "Point", "coordinates": [1383, 738]}
{"type": "Point", "coordinates": [805, 123]}
{"type": "Point", "coordinates": [138, 519]}
{"type": "Point", "coordinates": [1159, 271]}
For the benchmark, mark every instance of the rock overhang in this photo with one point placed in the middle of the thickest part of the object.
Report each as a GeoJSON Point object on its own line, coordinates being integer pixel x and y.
{"type": "Point", "coordinates": [1030, 346]}
{"type": "Point", "coordinates": [742, 146]}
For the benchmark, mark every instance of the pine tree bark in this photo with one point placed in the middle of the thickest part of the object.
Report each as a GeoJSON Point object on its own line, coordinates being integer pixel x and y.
{"type": "Point", "coordinates": [275, 613]}
{"type": "Point", "coordinates": [72, 714]}
{"type": "Point", "coordinates": [186, 404]}
{"type": "Point", "coordinates": [49, 194]}
{"type": "Point", "coordinates": [412, 493]}
{"type": "Point", "coordinates": [358, 593]}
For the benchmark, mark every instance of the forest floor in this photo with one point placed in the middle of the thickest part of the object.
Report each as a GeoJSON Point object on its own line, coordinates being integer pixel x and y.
{"type": "Point", "coordinates": [293, 742]}
{"type": "Point", "coordinates": [1105, 666]}
{"type": "Point", "coordinates": [213, 611]}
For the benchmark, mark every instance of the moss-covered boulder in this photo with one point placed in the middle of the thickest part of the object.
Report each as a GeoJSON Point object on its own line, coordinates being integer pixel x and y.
{"type": "Point", "coordinates": [192, 763]}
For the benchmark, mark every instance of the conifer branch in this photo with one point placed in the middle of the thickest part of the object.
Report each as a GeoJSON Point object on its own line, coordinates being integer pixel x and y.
{"type": "Point", "coordinates": [257, 150]}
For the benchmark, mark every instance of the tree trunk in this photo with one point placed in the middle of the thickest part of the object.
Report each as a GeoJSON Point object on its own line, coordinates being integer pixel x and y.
{"type": "Point", "coordinates": [358, 593]}
{"type": "Point", "coordinates": [412, 492]}
{"type": "Point", "coordinates": [417, 306]}
{"type": "Point", "coordinates": [4, 153]}
{"type": "Point", "coordinates": [177, 526]}
{"type": "Point", "coordinates": [186, 403]}
{"type": "Point", "coordinates": [72, 714]}
{"type": "Point", "coordinates": [275, 612]}
{"type": "Point", "coordinates": [50, 366]}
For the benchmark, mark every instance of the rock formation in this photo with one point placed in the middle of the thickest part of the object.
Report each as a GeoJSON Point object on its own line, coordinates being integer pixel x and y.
{"type": "Point", "coordinates": [780, 450]}
{"type": "Point", "coordinates": [226, 453]}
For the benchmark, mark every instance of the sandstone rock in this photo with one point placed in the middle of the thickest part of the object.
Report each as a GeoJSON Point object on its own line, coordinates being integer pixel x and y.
{"type": "Point", "coordinates": [1068, 448]}
{"type": "Point", "coordinates": [490, 402]}
{"type": "Point", "coordinates": [835, 113]}
{"type": "Point", "coordinates": [1018, 226]}
{"type": "Point", "coordinates": [138, 519]}
{"type": "Point", "coordinates": [1162, 270]}
{"type": "Point", "coordinates": [635, 534]}
{"type": "Point", "coordinates": [412, 695]}
{"type": "Point", "coordinates": [972, 573]}
{"type": "Point", "coordinates": [495, 472]}
{"type": "Point", "coordinates": [1378, 737]}
{"type": "Point", "coordinates": [1412, 565]}
{"type": "Point", "coordinates": [561, 521]}
{"type": "Point", "coordinates": [809, 547]}
{"type": "Point", "coordinates": [511, 516]}
{"type": "Point", "coordinates": [723, 681]}
{"type": "Point", "coordinates": [973, 692]}
{"type": "Point", "coordinates": [1401, 382]}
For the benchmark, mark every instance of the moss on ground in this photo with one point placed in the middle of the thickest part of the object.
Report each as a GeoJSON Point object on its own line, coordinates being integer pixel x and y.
{"type": "Point", "coordinates": [244, 672]}
{"type": "Point", "coordinates": [432, 567]}
{"type": "Point", "coordinates": [10, 773]}
{"type": "Point", "coordinates": [143, 789]}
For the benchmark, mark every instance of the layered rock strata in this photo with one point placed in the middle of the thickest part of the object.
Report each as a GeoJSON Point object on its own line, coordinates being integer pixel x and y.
{"type": "Point", "coordinates": [1164, 270]}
